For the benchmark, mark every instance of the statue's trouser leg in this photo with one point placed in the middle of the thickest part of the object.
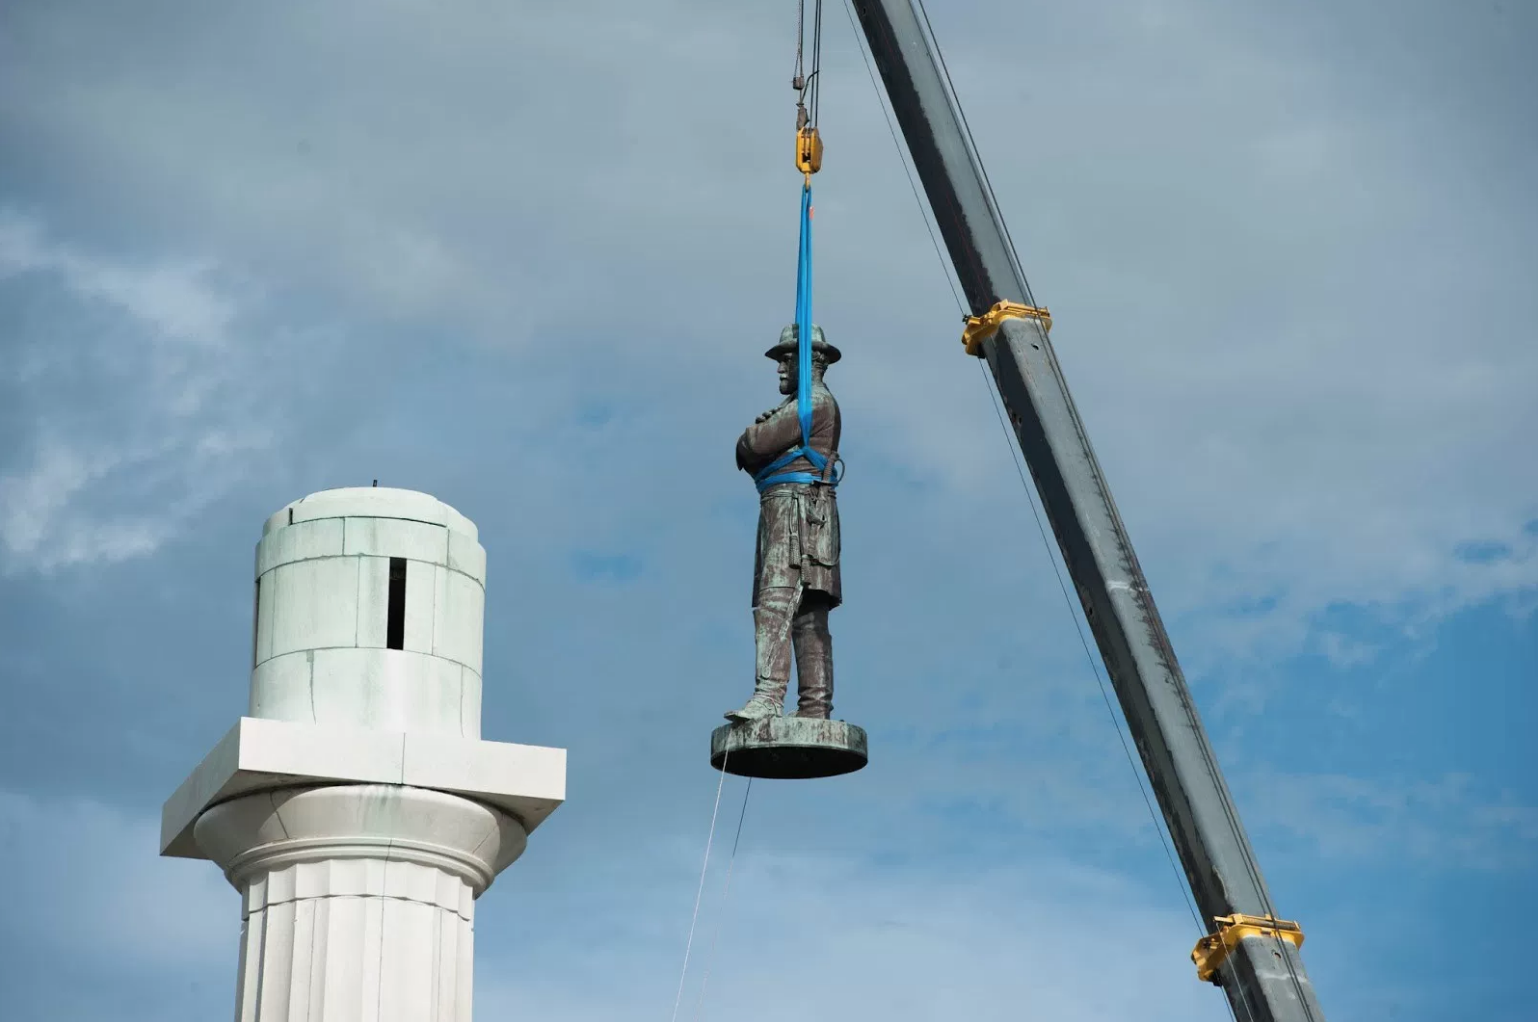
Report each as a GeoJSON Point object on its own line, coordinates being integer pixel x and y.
{"type": "Point", "coordinates": [814, 657]}
{"type": "Point", "coordinates": [772, 624]}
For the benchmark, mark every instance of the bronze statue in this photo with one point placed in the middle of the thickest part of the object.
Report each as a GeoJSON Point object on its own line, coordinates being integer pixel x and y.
{"type": "Point", "coordinates": [796, 579]}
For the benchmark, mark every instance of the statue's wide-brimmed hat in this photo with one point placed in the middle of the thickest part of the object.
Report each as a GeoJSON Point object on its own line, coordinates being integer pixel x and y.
{"type": "Point", "coordinates": [821, 349]}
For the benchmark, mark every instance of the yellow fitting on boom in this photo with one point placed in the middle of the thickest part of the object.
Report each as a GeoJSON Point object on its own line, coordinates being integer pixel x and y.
{"type": "Point", "coordinates": [808, 151]}
{"type": "Point", "coordinates": [980, 328]}
{"type": "Point", "coordinates": [1212, 951]}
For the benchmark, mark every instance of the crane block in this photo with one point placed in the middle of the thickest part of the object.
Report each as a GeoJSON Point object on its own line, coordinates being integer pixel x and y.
{"type": "Point", "coordinates": [1213, 950]}
{"type": "Point", "coordinates": [808, 150]}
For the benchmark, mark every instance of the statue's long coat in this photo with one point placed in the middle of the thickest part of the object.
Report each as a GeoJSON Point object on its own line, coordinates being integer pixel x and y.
{"type": "Point", "coordinates": [798, 532]}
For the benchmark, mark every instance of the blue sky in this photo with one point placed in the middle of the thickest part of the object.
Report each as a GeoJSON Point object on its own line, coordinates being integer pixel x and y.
{"type": "Point", "coordinates": [526, 257]}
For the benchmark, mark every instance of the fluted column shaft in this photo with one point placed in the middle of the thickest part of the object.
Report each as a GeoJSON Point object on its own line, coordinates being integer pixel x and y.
{"type": "Point", "coordinates": [356, 940]}
{"type": "Point", "coordinates": [359, 900]}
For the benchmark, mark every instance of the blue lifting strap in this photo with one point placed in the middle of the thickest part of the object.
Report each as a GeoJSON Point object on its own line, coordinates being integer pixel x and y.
{"type": "Point", "coordinates": [767, 476]}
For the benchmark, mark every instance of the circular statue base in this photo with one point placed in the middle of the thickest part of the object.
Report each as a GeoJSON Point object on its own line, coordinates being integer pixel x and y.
{"type": "Point", "coordinates": [788, 748]}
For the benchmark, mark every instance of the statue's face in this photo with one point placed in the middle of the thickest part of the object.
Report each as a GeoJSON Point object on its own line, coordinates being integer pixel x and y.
{"type": "Point", "coordinates": [787, 371]}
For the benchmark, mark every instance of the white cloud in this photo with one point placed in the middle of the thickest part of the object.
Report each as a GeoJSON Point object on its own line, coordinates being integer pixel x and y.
{"type": "Point", "coordinates": [89, 884]}
{"type": "Point", "coordinates": [176, 300]}
{"type": "Point", "coordinates": [31, 501]}
{"type": "Point", "coordinates": [827, 937]}
{"type": "Point", "coordinates": [141, 396]}
{"type": "Point", "coordinates": [1298, 333]}
{"type": "Point", "coordinates": [1235, 229]}
{"type": "Point", "coordinates": [836, 935]}
{"type": "Point", "coordinates": [893, 941]}
{"type": "Point", "coordinates": [1445, 822]}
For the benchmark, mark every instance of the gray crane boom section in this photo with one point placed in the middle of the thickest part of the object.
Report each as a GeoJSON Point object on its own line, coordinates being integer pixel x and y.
{"type": "Point", "coordinates": [1264, 976]}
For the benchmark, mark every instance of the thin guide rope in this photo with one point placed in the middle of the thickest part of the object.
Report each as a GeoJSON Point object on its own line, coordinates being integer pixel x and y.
{"type": "Point", "coordinates": [698, 894]}
{"type": "Point", "coordinates": [1090, 658]}
{"type": "Point", "coordinates": [1014, 455]}
{"type": "Point", "coordinates": [699, 1007]}
{"type": "Point", "coordinates": [945, 269]}
{"type": "Point", "coordinates": [1229, 810]}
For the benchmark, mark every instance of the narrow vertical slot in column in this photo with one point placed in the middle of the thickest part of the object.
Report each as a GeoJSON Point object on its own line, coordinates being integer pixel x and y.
{"type": "Point", "coordinates": [395, 612]}
{"type": "Point", "coordinates": [256, 621]}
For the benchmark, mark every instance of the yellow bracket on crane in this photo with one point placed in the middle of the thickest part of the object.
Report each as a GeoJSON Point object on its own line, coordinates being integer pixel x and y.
{"type": "Point", "coordinates": [808, 151]}
{"type": "Point", "coordinates": [1213, 950]}
{"type": "Point", "coordinates": [980, 328]}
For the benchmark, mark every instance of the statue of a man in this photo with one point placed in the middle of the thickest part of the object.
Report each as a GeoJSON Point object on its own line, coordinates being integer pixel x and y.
{"type": "Point", "coordinates": [796, 579]}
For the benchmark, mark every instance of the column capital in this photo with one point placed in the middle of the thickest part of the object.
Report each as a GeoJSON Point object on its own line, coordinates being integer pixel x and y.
{"type": "Point", "coordinates": [269, 831]}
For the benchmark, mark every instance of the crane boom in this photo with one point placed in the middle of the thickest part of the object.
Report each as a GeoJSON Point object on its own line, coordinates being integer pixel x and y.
{"type": "Point", "coordinates": [1248, 951]}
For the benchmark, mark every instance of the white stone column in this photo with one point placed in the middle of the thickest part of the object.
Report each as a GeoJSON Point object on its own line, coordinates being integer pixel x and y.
{"type": "Point", "coordinates": [357, 810]}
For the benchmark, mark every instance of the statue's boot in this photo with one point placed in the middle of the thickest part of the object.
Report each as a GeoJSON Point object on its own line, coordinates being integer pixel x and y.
{"type": "Point", "coordinates": [768, 701]}
{"type": "Point", "coordinates": [757, 708]}
{"type": "Point", "coordinates": [771, 625]}
{"type": "Point", "coordinates": [814, 661]}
